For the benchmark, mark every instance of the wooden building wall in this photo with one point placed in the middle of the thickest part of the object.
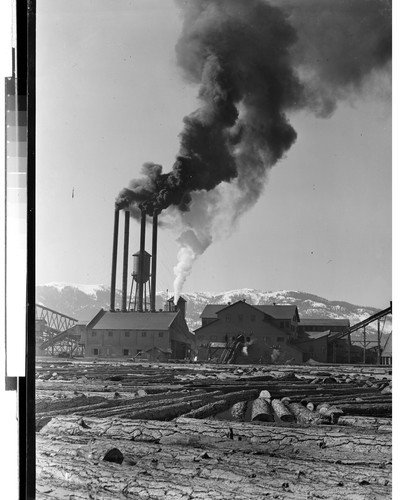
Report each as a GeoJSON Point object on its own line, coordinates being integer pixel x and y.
{"type": "Point", "coordinates": [120, 343]}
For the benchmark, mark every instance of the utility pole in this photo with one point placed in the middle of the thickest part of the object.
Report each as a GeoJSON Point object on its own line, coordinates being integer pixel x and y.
{"type": "Point", "coordinates": [379, 344]}
{"type": "Point", "coordinates": [365, 347]}
{"type": "Point", "coordinates": [349, 348]}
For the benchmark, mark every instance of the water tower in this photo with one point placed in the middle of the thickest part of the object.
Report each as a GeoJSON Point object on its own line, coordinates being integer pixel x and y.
{"type": "Point", "coordinates": [140, 278]}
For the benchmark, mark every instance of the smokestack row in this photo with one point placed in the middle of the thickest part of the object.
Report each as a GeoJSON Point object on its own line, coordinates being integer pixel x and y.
{"type": "Point", "coordinates": [125, 261]}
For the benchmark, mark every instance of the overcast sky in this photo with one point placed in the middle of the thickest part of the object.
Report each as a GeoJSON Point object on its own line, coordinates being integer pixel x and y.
{"type": "Point", "coordinates": [110, 97]}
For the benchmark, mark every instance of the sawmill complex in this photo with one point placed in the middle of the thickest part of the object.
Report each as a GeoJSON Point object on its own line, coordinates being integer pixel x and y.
{"type": "Point", "coordinates": [255, 403]}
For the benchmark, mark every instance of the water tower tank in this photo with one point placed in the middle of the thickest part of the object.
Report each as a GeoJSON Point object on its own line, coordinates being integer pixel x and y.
{"type": "Point", "coordinates": [136, 267]}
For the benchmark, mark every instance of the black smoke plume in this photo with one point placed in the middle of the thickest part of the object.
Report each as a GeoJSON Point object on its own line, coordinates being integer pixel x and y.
{"type": "Point", "coordinates": [239, 53]}
{"type": "Point", "coordinates": [255, 62]}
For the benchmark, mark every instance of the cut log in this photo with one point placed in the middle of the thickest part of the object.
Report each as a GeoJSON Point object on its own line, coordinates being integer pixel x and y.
{"type": "Point", "coordinates": [325, 437]}
{"type": "Point", "coordinates": [261, 411]}
{"type": "Point", "coordinates": [186, 472]}
{"type": "Point", "coordinates": [238, 411]}
{"type": "Point", "coordinates": [365, 422]}
{"type": "Point", "coordinates": [329, 411]}
{"type": "Point", "coordinates": [373, 409]}
{"type": "Point", "coordinates": [125, 407]}
{"type": "Point", "coordinates": [64, 403]}
{"type": "Point", "coordinates": [76, 385]}
{"type": "Point", "coordinates": [224, 403]}
{"type": "Point", "coordinates": [281, 411]}
{"type": "Point", "coordinates": [304, 416]}
{"type": "Point", "coordinates": [341, 399]}
{"type": "Point", "coordinates": [265, 395]}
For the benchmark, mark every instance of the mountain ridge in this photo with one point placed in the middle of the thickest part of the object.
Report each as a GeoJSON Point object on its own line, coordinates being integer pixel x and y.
{"type": "Point", "coordinates": [85, 301]}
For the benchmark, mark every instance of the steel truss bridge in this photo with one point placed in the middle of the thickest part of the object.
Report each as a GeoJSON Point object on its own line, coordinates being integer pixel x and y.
{"type": "Point", "coordinates": [56, 333]}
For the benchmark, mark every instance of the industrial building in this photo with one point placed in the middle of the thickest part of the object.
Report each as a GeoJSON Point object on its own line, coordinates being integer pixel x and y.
{"type": "Point", "coordinates": [314, 345]}
{"type": "Point", "coordinates": [323, 324]}
{"type": "Point", "coordinates": [267, 331]}
{"type": "Point", "coordinates": [320, 339]}
{"type": "Point", "coordinates": [270, 333]}
{"type": "Point", "coordinates": [155, 336]}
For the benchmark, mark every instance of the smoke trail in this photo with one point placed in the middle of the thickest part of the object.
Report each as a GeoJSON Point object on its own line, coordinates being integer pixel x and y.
{"type": "Point", "coordinates": [255, 61]}
{"type": "Point", "coordinates": [341, 44]}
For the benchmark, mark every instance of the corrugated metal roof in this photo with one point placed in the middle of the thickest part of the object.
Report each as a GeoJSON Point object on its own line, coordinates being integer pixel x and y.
{"type": "Point", "coordinates": [277, 312]}
{"type": "Point", "coordinates": [133, 320]}
{"type": "Point", "coordinates": [325, 321]}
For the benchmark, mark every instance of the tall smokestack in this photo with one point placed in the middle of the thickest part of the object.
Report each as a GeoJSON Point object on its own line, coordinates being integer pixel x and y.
{"type": "Point", "coordinates": [125, 263]}
{"type": "Point", "coordinates": [114, 258]}
{"type": "Point", "coordinates": [154, 264]}
{"type": "Point", "coordinates": [142, 250]}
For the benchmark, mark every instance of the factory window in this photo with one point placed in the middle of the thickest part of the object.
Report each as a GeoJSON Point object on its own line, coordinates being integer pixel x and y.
{"type": "Point", "coordinates": [95, 352]}
{"type": "Point", "coordinates": [126, 352]}
{"type": "Point", "coordinates": [240, 317]}
{"type": "Point", "coordinates": [144, 334]}
{"type": "Point", "coordinates": [139, 351]}
{"type": "Point", "coordinates": [213, 338]}
{"type": "Point", "coordinates": [268, 340]}
{"type": "Point", "coordinates": [161, 334]}
{"type": "Point", "coordinates": [126, 334]}
{"type": "Point", "coordinates": [281, 324]}
{"type": "Point", "coordinates": [110, 334]}
{"type": "Point", "coordinates": [94, 334]}
{"type": "Point", "coordinates": [252, 317]}
{"type": "Point", "coordinates": [280, 339]}
{"type": "Point", "coordinates": [228, 317]}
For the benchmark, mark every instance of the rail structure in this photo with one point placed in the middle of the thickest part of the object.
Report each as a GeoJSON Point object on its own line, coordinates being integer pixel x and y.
{"type": "Point", "coordinates": [362, 324]}
{"type": "Point", "coordinates": [55, 333]}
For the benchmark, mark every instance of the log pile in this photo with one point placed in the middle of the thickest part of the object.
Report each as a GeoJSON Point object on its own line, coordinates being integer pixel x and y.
{"type": "Point", "coordinates": [129, 430]}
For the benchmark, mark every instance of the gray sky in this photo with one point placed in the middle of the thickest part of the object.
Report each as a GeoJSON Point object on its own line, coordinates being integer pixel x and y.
{"type": "Point", "coordinates": [111, 97]}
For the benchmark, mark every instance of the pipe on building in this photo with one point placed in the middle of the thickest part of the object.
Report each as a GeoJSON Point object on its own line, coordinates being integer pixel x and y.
{"type": "Point", "coordinates": [114, 259]}
{"type": "Point", "coordinates": [153, 264]}
{"type": "Point", "coordinates": [125, 263]}
{"type": "Point", "coordinates": [142, 250]}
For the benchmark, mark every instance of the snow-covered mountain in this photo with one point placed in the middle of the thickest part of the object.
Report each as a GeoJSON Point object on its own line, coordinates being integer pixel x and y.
{"type": "Point", "coordinates": [84, 301]}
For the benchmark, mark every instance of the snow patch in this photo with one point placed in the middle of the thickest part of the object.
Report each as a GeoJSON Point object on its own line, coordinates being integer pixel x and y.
{"type": "Point", "coordinates": [87, 289]}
